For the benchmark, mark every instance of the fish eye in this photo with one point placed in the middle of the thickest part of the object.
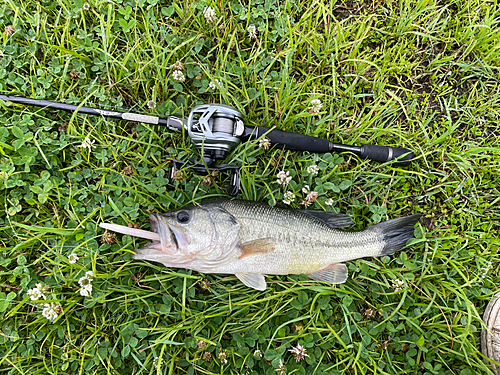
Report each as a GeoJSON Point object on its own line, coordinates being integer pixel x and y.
{"type": "Point", "coordinates": [183, 217]}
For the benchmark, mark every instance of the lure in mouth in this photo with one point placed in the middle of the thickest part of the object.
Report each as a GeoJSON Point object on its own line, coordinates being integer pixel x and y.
{"type": "Point", "coordinates": [131, 231]}
{"type": "Point", "coordinates": [152, 235]}
{"type": "Point", "coordinates": [166, 238]}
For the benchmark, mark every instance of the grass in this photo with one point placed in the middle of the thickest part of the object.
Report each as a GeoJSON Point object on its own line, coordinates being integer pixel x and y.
{"type": "Point", "coordinates": [417, 74]}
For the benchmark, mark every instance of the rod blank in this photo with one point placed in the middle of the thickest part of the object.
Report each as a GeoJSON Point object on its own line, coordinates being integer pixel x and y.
{"type": "Point", "coordinates": [129, 116]}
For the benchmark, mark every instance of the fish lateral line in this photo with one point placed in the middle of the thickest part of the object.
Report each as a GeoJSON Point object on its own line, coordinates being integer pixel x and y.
{"type": "Point", "coordinates": [131, 231]}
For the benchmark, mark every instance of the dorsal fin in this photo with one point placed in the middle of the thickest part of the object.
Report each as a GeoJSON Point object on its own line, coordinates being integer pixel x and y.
{"type": "Point", "coordinates": [331, 219]}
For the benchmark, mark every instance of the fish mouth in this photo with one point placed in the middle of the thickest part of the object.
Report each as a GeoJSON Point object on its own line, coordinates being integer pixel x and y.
{"type": "Point", "coordinates": [168, 243]}
{"type": "Point", "coordinates": [179, 238]}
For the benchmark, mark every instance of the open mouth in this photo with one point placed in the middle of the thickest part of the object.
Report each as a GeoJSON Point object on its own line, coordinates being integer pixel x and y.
{"type": "Point", "coordinates": [156, 243]}
{"type": "Point", "coordinates": [163, 243]}
{"type": "Point", "coordinates": [179, 238]}
{"type": "Point", "coordinates": [166, 239]}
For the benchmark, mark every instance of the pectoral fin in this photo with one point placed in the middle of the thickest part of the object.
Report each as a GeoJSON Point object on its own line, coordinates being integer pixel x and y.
{"type": "Point", "coordinates": [333, 274]}
{"type": "Point", "coordinates": [260, 246]}
{"type": "Point", "coordinates": [253, 280]}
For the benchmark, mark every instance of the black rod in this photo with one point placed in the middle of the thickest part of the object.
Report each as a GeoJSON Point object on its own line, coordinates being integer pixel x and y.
{"type": "Point", "coordinates": [287, 140]}
{"type": "Point", "coordinates": [129, 116]}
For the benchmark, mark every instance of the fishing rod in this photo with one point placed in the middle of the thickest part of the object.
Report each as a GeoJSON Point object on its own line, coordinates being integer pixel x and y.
{"type": "Point", "coordinates": [216, 129]}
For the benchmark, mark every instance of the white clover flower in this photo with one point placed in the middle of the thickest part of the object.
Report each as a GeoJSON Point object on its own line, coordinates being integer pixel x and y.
{"type": "Point", "coordinates": [329, 202]}
{"type": "Point", "coordinates": [299, 352]}
{"type": "Point", "coordinates": [252, 32]}
{"type": "Point", "coordinates": [84, 281]}
{"type": "Point", "coordinates": [178, 75]}
{"type": "Point", "coordinates": [214, 84]}
{"type": "Point", "coordinates": [289, 197]}
{"type": "Point", "coordinates": [265, 143]}
{"type": "Point", "coordinates": [73, 258]}
{"type": "Point", "coordinates": [306, 189]}
{"type": "Point", "coordinates": [257, 353]}
{"type": "Point", "coordinates": [398, 285]}
{"type": "Point", "coordinates": [281, 368]}
{"type": "Point", "coordinates": [86, 291]}
{"type": "Point", "coordinates": [35, 294]}
{"type": "Point", "coordinates": [283, 178]}
{"type": "Point", "coordinates": [223, 356]}
{"type": "Point", "coordinates": [179, 65]}
{"type": "Point", "coordinates": [51, 312]}
{"type": "Point", "coordinates": [485, 269]}
{"type": "Point", "coordinates": [9, 30]}
{"type": "Point", "coordinates": [201, 344]}
{"type": "Point", "coordinates": [157, 362]}
{"type": "Point", "coordinates": [209, 14]}
{"type": "Point", "coordinates": [86, 284]}
{"type": "Point", "coordinates": [315, 106]}
{"type": "Point", "coordinates": [313, 169]}
{"type": "Point", "coordinates": [311, 197]}
{"type": "Point", "coordinates": [87, 143]}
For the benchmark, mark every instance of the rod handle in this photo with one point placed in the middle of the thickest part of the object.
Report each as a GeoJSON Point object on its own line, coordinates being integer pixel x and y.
{"type": "Point", "coordinates": [291, 141]}
{"type": "Point", "coordinates": [383, 154]}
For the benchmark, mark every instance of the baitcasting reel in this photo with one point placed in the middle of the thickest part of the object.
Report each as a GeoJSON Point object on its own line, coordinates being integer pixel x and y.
{"type": "Point", "coordinates": [217, 129]}
{"type": "Point", "coordinates": [214, 129]}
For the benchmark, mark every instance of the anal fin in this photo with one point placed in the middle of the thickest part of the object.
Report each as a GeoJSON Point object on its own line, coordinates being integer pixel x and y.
{"type": "Point", "coordinates": [253, 280]}
{"type": "Point", "coordinates": [260, 246]}
{"type": "Point", "coordinates": [333, 274]}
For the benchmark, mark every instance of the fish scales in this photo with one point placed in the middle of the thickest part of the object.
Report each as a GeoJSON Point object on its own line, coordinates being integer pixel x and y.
{"type": "Point", "coordinates": [251, 239]}
{"type": "Point", "coordinates": [303, 244]}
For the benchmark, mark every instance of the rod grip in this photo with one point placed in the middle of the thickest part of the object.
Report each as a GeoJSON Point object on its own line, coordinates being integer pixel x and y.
{"type": "Point", "coordinates": [294, 141]}
{"type": "Point", "coordinates": [383, 154]}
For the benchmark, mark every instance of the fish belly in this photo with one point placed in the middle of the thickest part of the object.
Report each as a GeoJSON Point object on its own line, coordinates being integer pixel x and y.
{"type": "Point", "coordinates": [297, 257]}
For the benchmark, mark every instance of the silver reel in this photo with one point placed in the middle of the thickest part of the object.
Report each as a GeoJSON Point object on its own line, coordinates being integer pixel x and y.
{"type": "Point", "coordinates": [215, 129]}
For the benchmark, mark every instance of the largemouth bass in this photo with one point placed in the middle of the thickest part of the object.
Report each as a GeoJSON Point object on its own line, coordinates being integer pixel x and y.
{"type": "Point", "coordinates": [251, 239]}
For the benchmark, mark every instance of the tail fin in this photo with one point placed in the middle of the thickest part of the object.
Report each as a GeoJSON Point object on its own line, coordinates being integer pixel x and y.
{"type": "Point", "coordinates": [395, 233]}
